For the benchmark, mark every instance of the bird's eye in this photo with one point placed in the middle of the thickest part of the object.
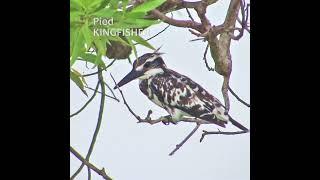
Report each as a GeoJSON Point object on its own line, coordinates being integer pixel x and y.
{"type": "Point", "coordinates": [147, 65]}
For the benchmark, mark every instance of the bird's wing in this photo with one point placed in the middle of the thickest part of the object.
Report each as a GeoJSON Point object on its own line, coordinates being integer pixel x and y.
{"type": "Point", "coordinates": [191, 98]}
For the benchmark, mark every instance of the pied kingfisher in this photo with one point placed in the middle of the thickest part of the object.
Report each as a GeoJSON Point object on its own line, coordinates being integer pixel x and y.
{"type": "Point", "coordinates": [177, 94]}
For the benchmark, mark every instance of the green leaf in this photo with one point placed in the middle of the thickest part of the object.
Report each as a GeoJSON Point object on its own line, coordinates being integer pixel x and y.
{"type": "Point", "coordinates": [106, 12]}
{"type": "Point", "coordinates": [98, 59]}
{"type": "Point", "coordinates": [88, 35]}
{"type": "Point", "coordinates": [92, 58]}
{"type": "Point", "coordinates": [75, 16]}
{"type": "Point", "coordinates": [114, 4]}
{"type": "Point", "coordinates": [103, 4]}
{"type": "Point", "coordinates": [132, 46]}
{"type": "Point", "coordinates": [94, 4]}
{"type": "Point", "coordinates": [76, 5]}
{"type": "Point", "coordinates": [147, 6]}
{"type": "Point", "coordinates": [80, 75]}
{"type": "Point", "coordinates": [119, 39]}
{"type": "Point", "coordinates": [77, 46]}
{"type": "Point", "coordinates": [141, 41]}
{"type": "Point", "coordinates": [101, 45]}
{"type": "Point", "coordinates": [141, 22]}
{"type": "Point", "coordinates": [133, 24]}
{"type": "Point", "coordinates": [135, 15]}
{"type": "Point", "coordinates": [76, 78]}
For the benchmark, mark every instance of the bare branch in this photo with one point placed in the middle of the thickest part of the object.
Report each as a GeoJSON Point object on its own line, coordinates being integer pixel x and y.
{"type": "Point", "coordinates": [89, 173]}
{"type": "Point", "coordinates": [197, 39]}
{"type": "Point", "coordinates": [101, 172]}
{"type": "Point", "coordinates": [175, 5]}
{"type": "Point", "coordinates": [205, 59]}
{"type": "Point", "coordinates": [185, 140]}
{"type": "Point", "coordinates": [189, 14]}
{"type": "Point", "coordinates": [238, 98]}
{"type": "Point", "coordinates": [158, 33]}
{"type": "Point", "coordinates": [102, 93]}
{"type": "Point", "coordinates": [179, 23]}
{"type": "Point", "coordinates": [124, 100]}
{"type": "Point", "coordinates": [246, 26]}
{"type": "Point", "coordinates": [85, 75]}
{"type": "Point", "coordinates": [111, 91]}
{"type": "Point", "coordinates": [96, 132]}
{"type": "Point", "coordinates": [225, 94]}
{"type": "Point", "coordinates": [88, 102]}
{"type": "Point", "coordinates": [243, 22]}
{"type": "Point", "coordinates": [220, 132]}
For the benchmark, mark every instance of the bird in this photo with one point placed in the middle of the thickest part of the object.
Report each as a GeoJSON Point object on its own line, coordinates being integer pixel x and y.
{"type": "Point", "coordinates": [179, 95]}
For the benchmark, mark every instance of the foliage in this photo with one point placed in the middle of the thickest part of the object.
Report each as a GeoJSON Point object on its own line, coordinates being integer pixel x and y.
{"type": "Point", "coordinates": [87, 46]}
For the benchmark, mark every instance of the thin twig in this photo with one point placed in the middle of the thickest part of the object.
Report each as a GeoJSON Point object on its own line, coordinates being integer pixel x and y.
{"type": "Point", "coordinates": [124, 100]}
{"type": "Point", "coordinates": [238, 98]}
{"type": "Point", "coordinates": [104, 94]}
{"type": "Point", "coordinates": [89, 173]}
{"type": "Point", "coordinates": [197, 39]}
{"type": "Point", "coordinates": [244, 14]}
{"type": "Point", "coordinates": [220, 132]}
{"type": "Point", "coordinates": [96, 131]}
{"type": "Point", "coordinates": [88, 102]}
{"type": "Point", "coordinates": [85, 75]}
{"type": "Point", "coordinates": [158, 32]}
{"type": "Point", "coordinates": [179, 23]}
{"type": "Point", "coordinates": [184, 140]}
{"type": "Point", "coordinates": [111, 91]}
{"type": "Point", "coordinates": [205, 59]}
{"type": "Point", "coordinates": [246, 26]}
{"type": "Point", "coordinates": [189, 14]}
{"type": "Point", "coordinates": [101, 172]}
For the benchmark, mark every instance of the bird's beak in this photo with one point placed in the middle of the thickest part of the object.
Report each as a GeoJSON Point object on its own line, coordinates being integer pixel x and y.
{"type": "Point", "coordinates": [129, 77]}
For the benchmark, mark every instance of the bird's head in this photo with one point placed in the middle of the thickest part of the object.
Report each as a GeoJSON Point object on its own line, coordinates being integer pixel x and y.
{"type": "Point", "coordinates": [144, 67]}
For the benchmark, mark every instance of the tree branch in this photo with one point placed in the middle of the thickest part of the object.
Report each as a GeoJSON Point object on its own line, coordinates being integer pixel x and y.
{"type": "Point", "coordinates": [179, 23]}
{"type": "Point", "coordinates": [111, 91]}
{"type": "Point", "coordinates": [205, 59]}
{"type": "Point", "coordinates": [85, 75]}
{"type": "Point", "coordinates": [96, 132]}
{"type": "Point", "coordinates": [243, 22]}
{"type": "Point", "coordinates": [175, 5]}
{"type": "Point", "coordinates": [158, 32]}
{"type": "Point", "coordinates": [185, 140]}
{"type": "Point", "coordinates": [101, 172]}
{"type": "Point", "coordinates": [103, 94]}
{"type": "Point", "coordinates": [88, 102]}
{"type": "Point", "coordinates": [238, 98]}
{"type": "Point", "coordinates": [189, 14]}
{"type": "Point", "coordinates": [220, 132]}
{"type": "Point", "coordinates": [229, 88]}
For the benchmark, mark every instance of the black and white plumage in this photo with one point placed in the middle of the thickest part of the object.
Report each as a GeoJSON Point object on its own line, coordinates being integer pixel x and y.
{"type": "Point", "coordinates": [177, 94]}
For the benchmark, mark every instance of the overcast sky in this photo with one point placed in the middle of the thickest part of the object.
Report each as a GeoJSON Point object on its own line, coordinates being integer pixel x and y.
{"type": "Point", "coordinates": [131, 151]}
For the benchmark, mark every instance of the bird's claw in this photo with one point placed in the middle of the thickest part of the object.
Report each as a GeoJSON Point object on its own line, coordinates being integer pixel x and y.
{"type": "Point", "coordinates": [167, 121]}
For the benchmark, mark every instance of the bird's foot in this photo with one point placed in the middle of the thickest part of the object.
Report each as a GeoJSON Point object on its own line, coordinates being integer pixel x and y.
{"type": "Point", "coordinates": [167, 120]}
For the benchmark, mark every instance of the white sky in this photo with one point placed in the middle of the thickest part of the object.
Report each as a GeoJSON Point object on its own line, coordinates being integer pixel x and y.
{"type": "Point", "coordinates": [131, 151]}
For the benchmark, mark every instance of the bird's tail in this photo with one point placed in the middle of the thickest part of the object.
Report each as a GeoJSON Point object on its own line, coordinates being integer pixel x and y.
{"type": "Point", "coordinates": [238, 125]}
{"type": "Point", "coordinates": [214, 120]}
